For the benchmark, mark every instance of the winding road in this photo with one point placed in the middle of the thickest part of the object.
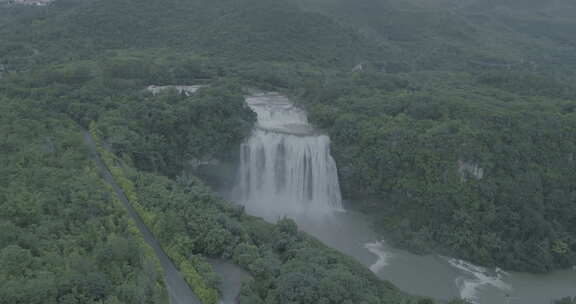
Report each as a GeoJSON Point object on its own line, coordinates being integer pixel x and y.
{"type": "Point", "coordinates": [178, 289]}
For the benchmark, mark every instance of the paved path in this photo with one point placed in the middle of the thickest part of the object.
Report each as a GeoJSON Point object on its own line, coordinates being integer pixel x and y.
{"type": "Point", "coordinates": [178, 289]}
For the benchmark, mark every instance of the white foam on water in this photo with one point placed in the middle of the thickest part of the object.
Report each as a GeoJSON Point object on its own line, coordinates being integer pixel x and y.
{"type": "Point", "coordinates": [378, 249]}
{"type": "Point", "coordinates": [476, 278]}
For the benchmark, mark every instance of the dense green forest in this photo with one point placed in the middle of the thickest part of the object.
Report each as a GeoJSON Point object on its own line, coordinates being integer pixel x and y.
{"type": "Point", "coordinates": [478, 170]}
{"type": "Point", "coordinates": [409, 142]}
{"type": "Point", "coordinates": [456, 136]}
{"type": "Point", "coordinates": [61, 238]}
{"type": "Point", "coordinates": [155, 136]}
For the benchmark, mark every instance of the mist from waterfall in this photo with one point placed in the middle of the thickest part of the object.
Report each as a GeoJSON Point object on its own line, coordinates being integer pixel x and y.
{"type": "Point", "coordinates": [285, 166]}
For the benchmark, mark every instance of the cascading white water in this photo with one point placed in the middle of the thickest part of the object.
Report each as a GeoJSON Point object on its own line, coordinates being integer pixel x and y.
{"type": "Point", "coordinates": [285, 166]}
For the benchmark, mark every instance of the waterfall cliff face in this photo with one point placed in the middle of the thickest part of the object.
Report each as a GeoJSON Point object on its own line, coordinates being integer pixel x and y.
{"type": "Point", "coordinates": [286, 167]}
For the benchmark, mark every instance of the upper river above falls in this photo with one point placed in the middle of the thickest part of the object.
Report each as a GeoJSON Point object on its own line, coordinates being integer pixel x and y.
{"type": "Point", "coordinates": [286, 170]}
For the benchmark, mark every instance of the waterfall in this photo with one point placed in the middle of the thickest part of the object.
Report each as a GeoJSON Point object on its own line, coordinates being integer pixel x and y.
{"type": "Point", "coordinates": [285, 166]}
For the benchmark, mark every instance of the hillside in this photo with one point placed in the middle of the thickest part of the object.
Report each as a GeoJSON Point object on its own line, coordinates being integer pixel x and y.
{"type": "Point", "coordinates": [456, 35]}
{"type": "Point", "coordinates": [61, 62]}
{"type": "Point", "coordinates": [456, 136]}
{"type": "Point", "coordinates": [235, 31]}
{"type": "Point", "coordinates": [468, 150]}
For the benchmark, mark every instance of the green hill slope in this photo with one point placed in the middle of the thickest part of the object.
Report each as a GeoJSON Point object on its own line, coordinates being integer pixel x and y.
{"type": "Point", "coordinates": [448, 88]}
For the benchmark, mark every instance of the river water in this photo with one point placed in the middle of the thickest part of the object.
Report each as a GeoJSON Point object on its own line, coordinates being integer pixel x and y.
{"type": "Point", "coordinates": [232, 277]}
{"type": "Point", "coordinates": [286, 170]}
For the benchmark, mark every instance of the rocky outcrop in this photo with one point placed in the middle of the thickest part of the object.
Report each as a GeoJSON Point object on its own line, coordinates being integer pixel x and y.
{"type": "Point", "coordinates": [467, 169]}
{"type": "Point", "coordinates": [187, 90]}
{"type": "Point", "coordinates": [358, 68]}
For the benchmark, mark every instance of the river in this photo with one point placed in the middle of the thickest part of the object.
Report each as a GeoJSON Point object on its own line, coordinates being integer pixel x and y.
{"type": "Point", "coordinates": [286, 170]}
